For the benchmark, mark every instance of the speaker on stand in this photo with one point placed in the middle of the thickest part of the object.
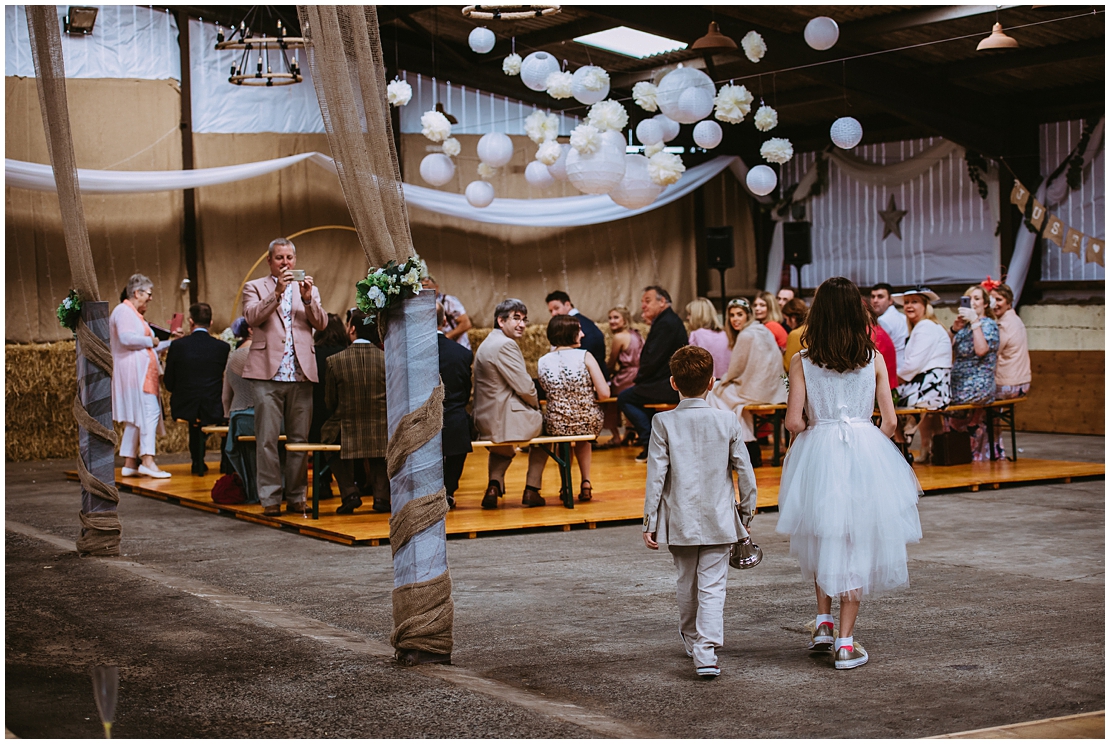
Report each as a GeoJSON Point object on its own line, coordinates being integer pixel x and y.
{"type": "Point", "coordinates": [720, 255]}
{"type": "Point", "coordinates": [797, 247]}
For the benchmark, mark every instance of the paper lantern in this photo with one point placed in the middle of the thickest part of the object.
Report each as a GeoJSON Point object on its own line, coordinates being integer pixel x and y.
{"type": "Point", "coordinates": [558, 169]}
{"type": "Point", "coordinates": [537, 174]}
{"type": "Point", "coordinates": [686, 95]}
{"type": "Point", "coordinates": [481, 40]}
{"type": "Point", "coordinates": [636, 189]}
{"type": "Point", "coordinates": [437, 169]}
{"type": "Point", "coordinates": [670, 127]}
{"type": "Point", "coordinates": [536, 67]}
{"type": "Point", "coordinates": [708, 134]}
{"type": "Point", "coordinates": [649, 132]}
{"type": "Point", "coordinates": [762, 180]}
{"type": "Point", "coordinates": [846, 132]}
{"type": "Point", "coordinates": [598, 172]}
{"type": "Point", "coordinates": [495, 149]}
{"type": "Point", "coordinates": [821, 33]}
{"type": "Point", "coordinates": [585, 76]}
{"type": "Point", "coordinates": [479, 193]}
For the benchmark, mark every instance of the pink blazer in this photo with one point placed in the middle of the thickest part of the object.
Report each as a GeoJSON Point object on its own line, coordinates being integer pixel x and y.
{"type": "Point", "coordinates": [261, 308]}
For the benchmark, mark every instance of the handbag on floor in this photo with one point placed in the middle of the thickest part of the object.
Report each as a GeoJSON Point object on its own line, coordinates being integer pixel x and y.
{"type": "Point", "coordinates": [229, 490]}
{"type": "Point", "coordinates": [952, 448]}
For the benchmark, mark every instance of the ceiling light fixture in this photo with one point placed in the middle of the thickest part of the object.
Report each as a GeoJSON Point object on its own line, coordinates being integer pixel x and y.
{"type": "Point", "coordinates": [80, 20]}
{"type": "Point", "coordinates": [998, 38]}
{"type": "Point", "coordinates": [500, 12]}
{"type": "Point", "coordinates": [714, 41]}
{"type": "Point", "coordinates": [269, 50]}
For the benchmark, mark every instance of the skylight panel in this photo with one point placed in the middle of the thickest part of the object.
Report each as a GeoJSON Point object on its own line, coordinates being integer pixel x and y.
{"type": "Point", "coordinates": [630, 42]}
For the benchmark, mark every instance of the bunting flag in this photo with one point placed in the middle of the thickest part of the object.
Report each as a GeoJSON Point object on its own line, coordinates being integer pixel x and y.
{"type": "Point", "coordinates": [1037, 217]}
{"type": "Point", "coordinates": [1073, 242]}
{"type": "Point", "coordinates": [1068, 238]}
{"type": "Point", "coordinates": [1019, 196]}
{"type": "Point", "coordinates": [1054, 230]}
{"type": "Point", "coordinates": [1096, 252]}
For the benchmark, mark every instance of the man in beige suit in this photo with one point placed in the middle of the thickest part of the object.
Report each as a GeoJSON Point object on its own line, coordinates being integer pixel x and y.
{"type": "Point", "coordinates": [282, 309]}
{"type": "Point", "coordinates": [506, 407]}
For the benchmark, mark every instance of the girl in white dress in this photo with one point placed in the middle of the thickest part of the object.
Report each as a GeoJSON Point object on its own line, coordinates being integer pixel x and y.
{"type": "Point", "coordinates": [847, 498]}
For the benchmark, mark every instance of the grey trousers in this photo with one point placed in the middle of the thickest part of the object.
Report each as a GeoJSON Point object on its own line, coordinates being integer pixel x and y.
{"type": "Point", "coordinates": [702, 575]}
{"type": "Point", "coordinates": [273, 403]}
{"type": "Point", "coordinates": [501, 457]}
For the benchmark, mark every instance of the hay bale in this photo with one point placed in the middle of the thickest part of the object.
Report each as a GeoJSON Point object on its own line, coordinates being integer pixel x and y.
{"type": "Point", "coordinates": [534, 343]}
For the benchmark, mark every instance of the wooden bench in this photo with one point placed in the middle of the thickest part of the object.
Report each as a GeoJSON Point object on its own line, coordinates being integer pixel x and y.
{"type": "Point", "coordinates": [558, 449]}
{"type": "Point", "coordinates": [318, 467]}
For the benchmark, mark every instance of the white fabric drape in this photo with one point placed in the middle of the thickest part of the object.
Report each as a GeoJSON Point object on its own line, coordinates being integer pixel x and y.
{"type": "Point", "coordinates": [894, 174]}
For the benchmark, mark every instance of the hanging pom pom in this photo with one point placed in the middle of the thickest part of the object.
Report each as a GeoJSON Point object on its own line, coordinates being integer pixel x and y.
{"type": "Point", "coordinates": [608, 115]}
{"type": "Point", "coordinates": [777, 150]}
{"type": "Point", "coordinates": [435, 126]}
{"type": "Point", "coordinates": [486, 171]}
{"type": "Point", "coordinates": [511, 64]}
{"type": "Point", "coordinates": [754, 46]}
{"type": "Point", "coordinates": [665, 168]}
{"type": "Point", "coordinates": [586, 139]}
{"type": "Point", "coordinates": [643, 93]}
{"type": "Point", "coordinates": [560, 85]}
{"type": "Point", "coordinates": [451, 147]}
{"type": "Point", "coordinates": [650, 150]}
{"type": "Point", "coordinates": [398, 92]}
{"type": "Point", "coordinates": [733, 102]}
{"type": "Point", "coordinates": [549, 152]}
{"type": "Point", "coordinates": [541, 126]}
{"type": "Point", "coordinates": [766, 119]}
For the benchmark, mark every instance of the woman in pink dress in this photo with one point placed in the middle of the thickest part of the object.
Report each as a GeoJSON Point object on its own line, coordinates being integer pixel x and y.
{"type": "Point", "coordinates": [624, 365]}
{"type": "Point", "coordinates": [706, 332]}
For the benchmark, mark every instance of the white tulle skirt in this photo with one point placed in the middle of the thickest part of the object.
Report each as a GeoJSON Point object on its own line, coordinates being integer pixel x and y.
{"type": "Point", "coordinates": [848, 500]}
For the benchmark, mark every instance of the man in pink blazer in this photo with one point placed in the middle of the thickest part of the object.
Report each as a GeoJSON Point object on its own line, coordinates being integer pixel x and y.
{"type": "Point", "coordinates": [282, 309]}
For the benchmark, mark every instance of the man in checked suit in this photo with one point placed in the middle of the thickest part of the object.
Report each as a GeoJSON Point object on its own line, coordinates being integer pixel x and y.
{"type": "Point", "coordinates": [354, 389]}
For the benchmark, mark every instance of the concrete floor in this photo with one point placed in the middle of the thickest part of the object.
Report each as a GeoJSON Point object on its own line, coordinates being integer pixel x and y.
{"type": "Point", "coordinates": [1003, 622]}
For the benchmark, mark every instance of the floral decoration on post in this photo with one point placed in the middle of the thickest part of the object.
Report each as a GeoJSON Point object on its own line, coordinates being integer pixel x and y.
{"type": "Point", "coordinates": [69, 312]}
{"type": "Point", "coordinates": [388, 286]}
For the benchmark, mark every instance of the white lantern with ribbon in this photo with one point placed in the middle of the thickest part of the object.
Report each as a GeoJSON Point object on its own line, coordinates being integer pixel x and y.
{"type": "Point", "coordinates": [846, 132]}
{"type": "Point", "coordinates": [537, 174]}
{"type": "Point", "coordinates": [591, 84]}
{"type": "Point", "coordinates": [636, 189]}
{"type": "Point", "coordinates": [599, 171]}
{"type": "Point", "coordinates": [495, 149]}
{"type": "Point", "coordinates": [437, 169]}
{"type": "Point", "coordinates": [708, 134]}
{"type": "Point", "coordinates": [481, 40]}
{"type": "Point", "coordinates": [535, 68]}
{"type": "Point", "coordinates": [479, 194]}
{"type": "Point", "coordinates": [822, 33]}
{"type": "Point", "coordinates": [558, 169]}
{"type": "Point", "coordinates": [686, 95]}
{"type": "Point", "coordinates": [762, 180]}
{"type": "Point", "coordinates": [670, 126]}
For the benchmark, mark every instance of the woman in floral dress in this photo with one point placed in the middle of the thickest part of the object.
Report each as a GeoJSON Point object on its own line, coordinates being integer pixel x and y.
{"type": "Point", "coordinates": [975, 356]}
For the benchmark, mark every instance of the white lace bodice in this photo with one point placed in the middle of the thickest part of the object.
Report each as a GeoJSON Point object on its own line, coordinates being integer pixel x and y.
{"type": "Point", "coordinates": [836, 396]}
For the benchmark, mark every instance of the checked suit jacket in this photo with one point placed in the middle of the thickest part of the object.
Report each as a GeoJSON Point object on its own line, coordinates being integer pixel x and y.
{"type": "Point", "coordinates": [354, 389]}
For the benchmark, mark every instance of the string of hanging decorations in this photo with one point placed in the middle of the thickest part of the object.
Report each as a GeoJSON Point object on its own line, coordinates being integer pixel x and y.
{"type": "Point", "coordinates": [499, 12]}
{"type": "Point", "coordinates": [269, 49]}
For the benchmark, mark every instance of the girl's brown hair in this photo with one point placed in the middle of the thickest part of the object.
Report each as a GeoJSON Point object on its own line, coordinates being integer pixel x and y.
{"type": "Point", "coordinates": [837, 334]}
{"type": "Point", "coordinates": [774, 312]}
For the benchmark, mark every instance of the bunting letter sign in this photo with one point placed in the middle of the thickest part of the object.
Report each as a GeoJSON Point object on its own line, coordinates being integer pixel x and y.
{"type": "Point", "coordinates": [1054, 230]}
{"type": "Point", "coordinates": [1019, 196]}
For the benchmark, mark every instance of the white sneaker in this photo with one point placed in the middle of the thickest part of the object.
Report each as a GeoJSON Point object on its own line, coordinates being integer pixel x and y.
{"type": "Point", "coordinates": [709, 672]}
{"type": "Point", "coordinates": [127, 472]}
{"type": "Point", "coordinates": [144, 470]}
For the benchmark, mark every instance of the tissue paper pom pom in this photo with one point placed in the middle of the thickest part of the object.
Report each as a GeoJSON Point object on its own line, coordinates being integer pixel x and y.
{"type": "Point", "coordinates": [435, 126]}
{"type": "Point", "coordinates": [485, 170]}
{"type": "Point", "coordinates": [754, 47]}
{"type": "Point", "coordinates": [585, 138]}
{"type": "Point", "coordinates": [608, 115]}
{"type": "Point", "coordinates": [594, 78]}
{"type": "Point", "coordinates": [549, 152]}
{"type": "Point", "coordinates": [560, 84]}
{"type": "Point", "coordinates": [540, 126]}
{"type": "Point", "coordinates": [643, 93]}
{"type": "Point", "coordinates": [766, 119]}
{"type": "Point", "coordinates": [451, 147]}
{"type": "Point", "coordinates": [665, 168]}
{"type": "Point", "coordinates": [398, 92]}
{"type": "Point", "coordinates": [650, 150]}
{"type": "Point", "coordinates": [733, 103]}
{"type": "Point", "coordinates": [590, 84]}
{"type": "Point", "coordinates": [777, 150]}
{"type": "Point", "coordinates": [511, 64]}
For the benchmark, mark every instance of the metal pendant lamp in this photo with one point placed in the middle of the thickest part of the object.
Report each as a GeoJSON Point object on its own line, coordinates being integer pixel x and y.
{"type": "Point", "coordinates": [714, 40]}
{"type": "Point", "coordinates": [997, 40]}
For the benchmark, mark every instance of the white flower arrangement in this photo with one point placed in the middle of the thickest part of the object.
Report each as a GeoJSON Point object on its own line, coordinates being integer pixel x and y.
{"type": "Point", "coordinates": [650, 150]}
{"type": "Point", "coordinates": [586, 139]}
{"type": "Point", "coordinates": [511, 64]}
{"type": "Point", "coordinates": [733, 102]}
{"type": "Point", "coordinates": [644, 93]}
{"type": "Point", "coordinates": [388, 286]}
{"type": "Point", "coordinates": [560, 85]}
{"type": "Point", "coordinates": [451, 147]}
{"type": "Point", "coordinates": [665, 168]}
{"type": "Point", "coordinates": [549, 152]}
{"type": "Point", "coordinates": [608, 115]}
{"type": "Point", "coordinates": [435, 126]}
{"type": "Point", "coordinates": [754, 46]}
{"type": "Point", "coordinates": [596, 78]}
{"type": "Point", "coordinates": [540, 126]}
{"type": "Point", "coordinates": [777, 150]}
{"type": "Point", "coordinates": [398, 92]}
{"type": "Point", "coordinates": [486, 171]}
{"type": "Point", "coordinates": [766, 119]}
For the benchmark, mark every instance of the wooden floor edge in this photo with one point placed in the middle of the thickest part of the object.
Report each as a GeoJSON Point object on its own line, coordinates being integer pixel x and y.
{"type": "Point", "coordinates": [1023, 724]}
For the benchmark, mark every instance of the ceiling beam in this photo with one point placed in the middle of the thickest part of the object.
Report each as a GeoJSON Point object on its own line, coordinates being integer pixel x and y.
{"type": "Point", "coordinates": [1023, 58]}
{"type": "Point", "coordinates": [530, 42]}
{"type": "Point", "coordinates": [870, 27]}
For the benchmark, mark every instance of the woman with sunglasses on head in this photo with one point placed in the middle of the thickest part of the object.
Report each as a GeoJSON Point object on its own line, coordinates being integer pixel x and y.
{"type": "Point", "coordinates": [754, 373]}
{"type": "Point", "coordinates": [766, 310]}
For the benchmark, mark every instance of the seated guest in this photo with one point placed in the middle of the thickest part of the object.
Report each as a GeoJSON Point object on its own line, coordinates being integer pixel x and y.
{"type": "Point", "coordinates": [593, 340]}
{"type": "Point", "coordinates": [975, 357]}
{"type": "Point", "coordinates": [794, 314]}
{"type": "Point", "coordinates": [926, 368]}
{"type": "Point", "coordinates": [623, 366]}
{"type": "Point", "coordinates": [506, 407]}
{"type": "Point", "coordinates": [785, 295]}
{"type": "Point", "coordinates": [458, 322]}
{"type": "Point", "coordinates": [653, 381]}
{"type": "Point", "coordinates": [754, 375]}
{"type": "Point", "coordinates": [572, 379]}
{"type": "Point", "coordinates": [767, 311]}
{"type": "Point", "coordinates": [706, 333]}
{"type": "Point", "coordinates": [331, 340]}
{"type": "Point", "coordinates": [195, 377]}
{"type": "Point", "coordinates": [892, 321]}
{"type": "Point", "coordinates": [237, 394]}
{"type": "Point", "coordinates": [1014, 375]}
{"type": "Point", "coordinates": [454, 370]}
{"type": "Point", "coordinates": [884, 345]}
{"type": "Point", "coordinates": [354, 389]}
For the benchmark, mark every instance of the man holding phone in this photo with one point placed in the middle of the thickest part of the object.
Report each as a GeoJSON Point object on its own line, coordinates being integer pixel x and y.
{"type": "Point", "coordinates": [282, 309]}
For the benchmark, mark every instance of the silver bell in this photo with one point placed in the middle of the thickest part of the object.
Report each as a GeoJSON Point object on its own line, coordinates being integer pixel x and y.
{"type": "Point", "coordinates": [745, 554]}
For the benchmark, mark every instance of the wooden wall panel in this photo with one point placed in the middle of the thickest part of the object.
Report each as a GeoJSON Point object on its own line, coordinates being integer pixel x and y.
{"type": "Point", "coordinates": [1067, 395]}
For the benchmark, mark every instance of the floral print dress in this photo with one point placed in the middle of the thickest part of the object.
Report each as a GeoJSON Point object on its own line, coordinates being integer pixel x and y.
{"type": "Point", "coordinates": [973, 382]}
{"type": "Point", "coordinates": [572, 409]}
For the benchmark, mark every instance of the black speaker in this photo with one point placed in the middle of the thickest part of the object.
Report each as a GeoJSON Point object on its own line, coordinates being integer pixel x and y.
{"type": "Point", "coordinates": [719, 253]}
{"type": "Point", "coordinates": [796, 243]}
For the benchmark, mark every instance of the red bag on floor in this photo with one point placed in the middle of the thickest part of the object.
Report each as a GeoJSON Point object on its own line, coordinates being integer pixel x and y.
{"type": "Point", "coordinates": [229, 490]}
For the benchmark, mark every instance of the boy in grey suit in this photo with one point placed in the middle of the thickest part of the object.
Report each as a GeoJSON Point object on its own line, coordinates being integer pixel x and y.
{"type": "Point", "coordinates": [689, 502]}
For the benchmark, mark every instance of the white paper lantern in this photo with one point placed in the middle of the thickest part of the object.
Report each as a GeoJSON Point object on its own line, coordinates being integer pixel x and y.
{"type": "Point", "coordinates": [479, 193]}
{"type": "Point", "coordinates": [537, 174]}
{"type": "Point", "coordinates": [670, 127]}
{"type": "Point", "coordinates": [536, 67]}
{"type": "Point", "coordinates": [585, 95]}
{"type": "Point", "coordinates": [481, 40]}
{"type": "Point", "coordinates": [636, 189]}
{"type": "Point", "coordinates": [598, 172]}
{"type": "Point", "coordinates": [495, 149]}
{"type": "Point", "coordinates": [686, 95]}
{"type": "Point", "coordinates": [708, 134]}
{"type": "Point", "coordinates": [558, 169]}
{"type": "Point", "coordinates": [437, 169]}
{"type": "Point", "coordinates": [649, 132]}
{"type": "Point", "coordinates": [762, 180]}
{"type": "Point", "coordinates": [846, 132]}
{"type": "Point", "coordinates": [821, 33]}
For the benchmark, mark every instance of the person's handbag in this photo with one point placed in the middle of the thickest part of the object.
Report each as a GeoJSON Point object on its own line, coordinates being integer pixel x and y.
{"type": "Point", "coordinates": [229, 490]}
{"type": "Point", "coordinates": [744, 554]}
{"type": "Point", "coordinates": [952, 448]}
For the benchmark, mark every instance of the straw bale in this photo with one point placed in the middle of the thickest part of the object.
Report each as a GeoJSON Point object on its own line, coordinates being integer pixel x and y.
{"type": "Point", "coordinates": [534, 343]}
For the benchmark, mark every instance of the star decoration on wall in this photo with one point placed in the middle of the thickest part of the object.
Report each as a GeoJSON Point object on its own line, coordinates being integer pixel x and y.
{"type": "Point", "coordinates": [892, 219]}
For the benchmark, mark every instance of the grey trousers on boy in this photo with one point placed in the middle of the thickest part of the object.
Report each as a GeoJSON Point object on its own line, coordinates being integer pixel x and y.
{"type": "Point", "coordinates": [702, 575]}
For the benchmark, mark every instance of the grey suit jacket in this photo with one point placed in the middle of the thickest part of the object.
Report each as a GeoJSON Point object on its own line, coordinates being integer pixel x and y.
{"type": "Point", "coordinates": [506, 408]}
{"type": "Point", "coordinates": [689, 498]}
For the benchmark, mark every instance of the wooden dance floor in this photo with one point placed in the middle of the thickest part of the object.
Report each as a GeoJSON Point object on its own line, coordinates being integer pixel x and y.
{"type": "Point", "coordinates": [618, 495]}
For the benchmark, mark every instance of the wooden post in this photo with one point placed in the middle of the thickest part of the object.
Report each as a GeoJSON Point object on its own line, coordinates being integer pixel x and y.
{"type": "Point", "coordinates": [189, 227]}
{"type": "Point", "coordinates": [94, 389]}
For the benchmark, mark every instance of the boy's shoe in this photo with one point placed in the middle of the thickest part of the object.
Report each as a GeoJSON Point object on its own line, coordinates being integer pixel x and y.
{"type": "Point", "coordinates": [822, 639]}
{"type": "Point", "coordinates": [686, 643]}
{"type": "Point", "coordinates": [709, 672]}
{"type": "Point", "coordinates": [850, 657]}
{"type": "Point", "coordinates": [643, 456]}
